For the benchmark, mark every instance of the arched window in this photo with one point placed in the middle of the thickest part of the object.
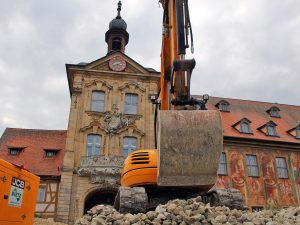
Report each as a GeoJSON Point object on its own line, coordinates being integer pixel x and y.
{"type": "Point", "coordinates": [245, 128]}
{"type": "Point", "coordinates": [274, 112]}
{"type": "Point", "coordinates": [129, 145]}
{"type": "Point", "coordinates": [223, 106]}
{"type": "Point", "coordinates": [93, 145]}
{"type": "Point", "coordinates": [271, 130]}
{"type": "Point", "coordinates": [116, 44]}
{"type": "Point", "coordinates": [98, 101]}
{"type": "Point", "coordinates": [131, 104]}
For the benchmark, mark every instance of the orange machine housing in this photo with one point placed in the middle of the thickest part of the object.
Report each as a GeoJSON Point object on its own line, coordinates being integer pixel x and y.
{"type": "Point", "coordinates": [140, 169]}
{"type": "Point", "coordinates": [18, 194]}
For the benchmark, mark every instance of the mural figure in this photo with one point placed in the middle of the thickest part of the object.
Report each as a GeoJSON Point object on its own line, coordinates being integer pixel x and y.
{"type": "Point", "coordinates": [270, 181]}
{"type": "Point", "coordinates": [295, 162]}
{"type": "Point", "coordinates": [255, 192]}
{"type": "Point", "coordinates": [286, 191]}
{"type": "Point", "coordinates": [223, 182]}
{"type": "Point", "coordinates": [238, 173]}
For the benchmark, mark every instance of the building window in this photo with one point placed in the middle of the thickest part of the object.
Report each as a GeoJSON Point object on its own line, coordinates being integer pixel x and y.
{"type": "Point", "coordinates": [15, 151]}
{"type": "Point", "coordinates": [252, 166]}
{"type": "Point", "coordinates": [131, 104]}
{"type": "Point", "coordinates": [298, 133]}
{"type": "Point", "coordinates": [93, 144]}
{"type": "Point", "coordinates": [50, 153]}
{"type": "Point", "coordinates": [281, 168]}
{"type": "Point", "coordinates": [98, 101]}
{"type": "Point", "coordinates": [222, 165]}
{"type": "Point", "coordinates": [116, 44]}
{"type": "Point", "coordinates": [245, 128]}
{"type": "Point", "coordinates": [274, 112]}
{"type": "Point", "coordinates": [129, 145]}
{"type": "Point", "coordinates": [41, 193]}
{"type": "Point", "coordinates": [224, 107]}
{"type": "Point", "coordinates": [271, 130]}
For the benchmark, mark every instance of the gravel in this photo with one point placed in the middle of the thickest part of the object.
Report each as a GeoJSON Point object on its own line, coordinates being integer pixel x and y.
{"type": "Point", "coordinates": [191, 212]}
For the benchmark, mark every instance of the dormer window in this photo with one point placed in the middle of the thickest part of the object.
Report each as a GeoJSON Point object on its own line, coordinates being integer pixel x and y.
{"type": "Point", "coordinates": [269, 129]}
{"type": "Point", "coordinates": [14, 151]}
{"type": "Point", "coordinates": [298, 133]}
{"type": "Point", "coordinates": [274, 112]}
{"type": "Point", "coordinates": [295, 132]}
{"type": "Point", "coordinates": [223, 106]}
{"type": "Point", "coordinates": [243, 126]}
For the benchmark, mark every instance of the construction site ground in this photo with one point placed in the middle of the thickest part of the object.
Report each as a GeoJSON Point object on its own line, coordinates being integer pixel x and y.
{"type": "Point", "coordinates": [190, 212]}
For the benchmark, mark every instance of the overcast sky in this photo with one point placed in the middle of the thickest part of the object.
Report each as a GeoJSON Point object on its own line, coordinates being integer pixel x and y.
{"type": "Point", "coordinates": [246, 49]}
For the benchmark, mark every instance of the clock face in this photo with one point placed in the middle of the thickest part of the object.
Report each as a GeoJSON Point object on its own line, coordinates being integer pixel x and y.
{"type": "Point", "coordinates": [117, 63]}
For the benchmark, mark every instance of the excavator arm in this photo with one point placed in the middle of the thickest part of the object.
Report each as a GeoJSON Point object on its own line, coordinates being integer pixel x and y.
{"type": "Point", "coordinates": [175, 69]}
{"type": "Point", "coordinates": [189, 140]}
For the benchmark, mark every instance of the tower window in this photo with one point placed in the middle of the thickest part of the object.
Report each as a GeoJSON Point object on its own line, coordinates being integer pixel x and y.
{"type": "Point", "coordinates": [252, 167]}
{"type": "Point", "coordinates": [93, 144]}
{"type": "Point", "coordinates": [98, 100]}
{"type": "Point", "coordinates": [131, 104]}
{"type": "Point", "coordinates": [129, 145]}
{"type": "Point", "coordinates": [222, 165]}
{"type": "Point", "coordinates": [281, 168]}
{"type": "Point", "coordinates": [116, 44]}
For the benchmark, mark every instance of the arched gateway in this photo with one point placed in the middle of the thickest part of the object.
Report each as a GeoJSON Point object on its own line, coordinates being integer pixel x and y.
{"type": "Point", "coordinates": [99, 197]}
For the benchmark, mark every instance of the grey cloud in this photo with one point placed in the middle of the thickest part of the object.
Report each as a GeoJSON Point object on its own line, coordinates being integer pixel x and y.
{"type": "Point", "coordinates": [244, 49]}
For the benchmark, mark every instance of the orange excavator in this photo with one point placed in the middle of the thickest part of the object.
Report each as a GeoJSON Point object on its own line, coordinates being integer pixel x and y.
{"type": "Point", "coordinates": [188, 137]}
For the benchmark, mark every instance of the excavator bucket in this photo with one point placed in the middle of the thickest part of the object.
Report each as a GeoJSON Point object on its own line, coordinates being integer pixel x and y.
{"type": "Point", "coordinates": [189, 143]}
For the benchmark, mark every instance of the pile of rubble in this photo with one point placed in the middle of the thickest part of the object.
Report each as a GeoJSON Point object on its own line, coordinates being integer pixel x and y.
{"type": "Point", "coordinates": [193, 212]}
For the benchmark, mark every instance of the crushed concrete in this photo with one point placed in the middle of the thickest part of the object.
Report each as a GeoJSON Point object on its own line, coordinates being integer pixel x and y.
{"type": "Point", "coordinates": [191, 212]}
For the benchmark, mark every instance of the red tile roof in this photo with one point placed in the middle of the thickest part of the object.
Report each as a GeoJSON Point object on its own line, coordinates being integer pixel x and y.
{"type": "Point", "coordinates": [34, 143]}
{"type": "Point", "coordinates": [256, 112]}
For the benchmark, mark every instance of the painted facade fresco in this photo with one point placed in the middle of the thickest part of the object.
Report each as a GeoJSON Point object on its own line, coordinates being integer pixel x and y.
{"type": "Point", "coordinates": [267, 189]}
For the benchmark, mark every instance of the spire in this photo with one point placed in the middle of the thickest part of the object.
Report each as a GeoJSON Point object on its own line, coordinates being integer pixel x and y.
{"type": "Point", "coordinates": [117, 37]}
{"type": "Point", "coordinates": [119, 10]}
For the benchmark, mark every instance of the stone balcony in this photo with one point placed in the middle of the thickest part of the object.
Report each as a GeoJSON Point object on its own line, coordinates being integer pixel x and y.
{"type": "Point", "coordinates": [101, 169]}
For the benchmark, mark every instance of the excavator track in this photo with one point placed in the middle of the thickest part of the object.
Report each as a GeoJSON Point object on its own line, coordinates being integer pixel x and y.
{"type": "Point", "coordinates": [135, 199]}
{"type": "Point", "coordinates": [231, 198]}
{"type": "Point", "coordinates": [131, 200]}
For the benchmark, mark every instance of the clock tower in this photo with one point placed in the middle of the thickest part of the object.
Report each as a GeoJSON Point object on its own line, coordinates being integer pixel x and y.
{"type": "Point", "coordinates": [111, 115]}
{"type": "Point", "coordinates": [117, 37]}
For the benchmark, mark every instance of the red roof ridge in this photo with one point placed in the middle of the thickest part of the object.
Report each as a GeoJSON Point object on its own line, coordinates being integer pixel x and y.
{"type": "Point", "coordinates": [247, 100]}
{"type": "Point", "coordinates": [33, 129]}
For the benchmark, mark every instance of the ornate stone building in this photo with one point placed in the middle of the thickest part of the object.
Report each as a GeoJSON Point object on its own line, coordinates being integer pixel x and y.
{"type": "Point", "coordinates": [111, 115]}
